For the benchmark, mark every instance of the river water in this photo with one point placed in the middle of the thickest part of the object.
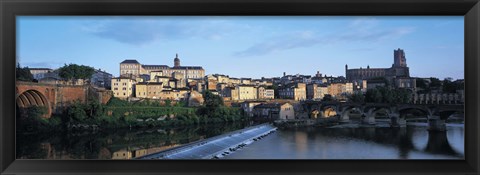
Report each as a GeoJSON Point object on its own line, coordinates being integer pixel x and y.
{"type": "Point", "coordinates": [411, 142]}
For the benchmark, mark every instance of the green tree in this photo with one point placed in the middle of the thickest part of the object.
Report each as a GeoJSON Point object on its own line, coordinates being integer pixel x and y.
{"type": "Point", "coordinates": [115, 101]}
{"type": "Point", "coordinates": [435, 83]}
{"type": "Point", "coordinates": [211, 100]}
{"type": "Point", "coordinates": [451, 87]}
{"type": "Point", "coordinates": [168, 102]}
{"type": "Point", "coordinates": [356, 97]}
{"type": "Point", "coordinates": [423, 84]}
{"type": "Point", "coordinates": [374, 96]}
{"type": "Point", "coordinates": [327, 97]}
{"type": "Point", "coordinates": [72, 72]}
{"type": "Point", "coordinates": [23, 74]}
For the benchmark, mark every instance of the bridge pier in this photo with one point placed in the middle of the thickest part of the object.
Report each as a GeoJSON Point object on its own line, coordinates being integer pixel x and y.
{"type": "Point", "coordinates": [369, 119]}
{"type": "Point", "coordinates": [397, 121]}
{"type": "Point", "coordinates": [436, 124]}
{"type": "Point", "coordinates": [344, 118]}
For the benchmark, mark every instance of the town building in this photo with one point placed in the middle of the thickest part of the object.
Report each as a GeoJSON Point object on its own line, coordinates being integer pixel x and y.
{"type": "Point", "coordinates": [316, 91]}
{"type": "Point", "coordinates": [246, 92]}
{"type": "Point", "coordinates": [340, 90]}
{"type": "Point", "coordinates": [101, 78]}
{"type": "Point", "coordinates": [39, 73]}
{"type": "Point", "coordinates": [269, 94]}
{"type": "Point", "coordinates": [134, 68]}
{"type": "Point", "coordinates": [123, 87]}
{"type": "Point", "coordinates": [247, 106]}
{"type": "Point", "coordinates": [274, 111]}
{"type": "Point", "coordinates": [263, 93]}
{"type": "Point", "coordinates": [152, 90]}
{"type": "Point", "coordinates": [296, 91]}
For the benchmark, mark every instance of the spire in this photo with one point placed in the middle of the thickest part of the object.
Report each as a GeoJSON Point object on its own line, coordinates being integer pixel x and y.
{"type": "Point", "coordinates": [176, 55]}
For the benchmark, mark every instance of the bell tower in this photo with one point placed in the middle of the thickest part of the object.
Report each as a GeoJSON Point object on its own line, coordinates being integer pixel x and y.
{"type": "Point", "coordinates": [176, 61]}
{"type": "Point", "coordinates": [399, 59]}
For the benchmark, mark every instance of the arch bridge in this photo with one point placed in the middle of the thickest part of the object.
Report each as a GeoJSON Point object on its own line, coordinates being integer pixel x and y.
{"type": "Point", "coordinates": [51, 96]}
{"type": "Point", "coordinates": [435, 114]}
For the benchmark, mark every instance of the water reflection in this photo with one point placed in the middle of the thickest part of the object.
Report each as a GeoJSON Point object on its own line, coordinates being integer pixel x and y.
{"type": "Point", "coordinates": [113, 144]}
{"type": "Point", "coordinates": [411, 142]}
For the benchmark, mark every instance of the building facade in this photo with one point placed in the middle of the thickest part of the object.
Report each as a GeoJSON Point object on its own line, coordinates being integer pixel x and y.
{"type": "Point", "coordinates": [39, 73]}
{"type": "Point", "coordinates": [246, 92]}
{"type": "Point", "coordinates": [399, 69]}
{"type": "Point", "coordinates": [296, 91]}
{"type": "Point", "coordinates": [151, 90]}
{"type": "Point", "coordinates": [123, 87]}
{"type": "Point", "coordinates": [135, 69]}
{"type": "Point", "coordinates": [101, 79]}
{"type": "Point", "coordinates": [274, 111]}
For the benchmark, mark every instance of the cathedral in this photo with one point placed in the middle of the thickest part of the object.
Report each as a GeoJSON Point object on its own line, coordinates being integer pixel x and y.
{"type": "Point", "coordinates": [398, 73]}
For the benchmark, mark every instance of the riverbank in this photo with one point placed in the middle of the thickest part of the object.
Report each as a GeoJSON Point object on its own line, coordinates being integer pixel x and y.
{"type": "Point", "coordinates": [124, 114]}
{"type": "Point", "coordinates": [112, 143]}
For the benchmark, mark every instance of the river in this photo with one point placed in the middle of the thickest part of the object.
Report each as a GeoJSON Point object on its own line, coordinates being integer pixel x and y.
{"type": "Point", "coordinates": [411, 142]}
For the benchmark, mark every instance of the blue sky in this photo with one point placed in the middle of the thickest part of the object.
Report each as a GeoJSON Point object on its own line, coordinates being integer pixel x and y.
{"type": "Point", "coordinates": [246, 46]}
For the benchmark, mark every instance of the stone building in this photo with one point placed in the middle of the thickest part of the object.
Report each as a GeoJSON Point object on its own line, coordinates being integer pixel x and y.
{"type": "Point", "coordinates": [195, 98]}
{"type": "Point", "coordinates": [399, 70]}
{"type": "Point", "coordinates": [340, 90]}
{"type": "Point", "coordinates": [101, 78]}
{"type": "Point", "coordinates": [274, 111]}
{"type": "Point", "coordinates": [151, 90]}
{"type": "Point", "coordinates": [296, 91]}
{"type": "Point", "coordinates": [123, 87]}
{"type": "Point", "coordinates": [246, 92]}
{"type": "Point", "coordinates": [39, 73]}
{"type": "Point", "coordinates": [263, 93]}
{"type": "Point", "coordinates": [269, 94]}
{"type": "Point", "coordinates": [316, 91]}
{"type": "Point", "coordinates": [134, 68]}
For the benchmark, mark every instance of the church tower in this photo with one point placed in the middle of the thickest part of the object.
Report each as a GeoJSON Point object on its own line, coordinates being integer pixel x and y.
{"type": "Point", "coordinates": [176, 61]}
{"type": "Point", "coordinates": [399, 59]}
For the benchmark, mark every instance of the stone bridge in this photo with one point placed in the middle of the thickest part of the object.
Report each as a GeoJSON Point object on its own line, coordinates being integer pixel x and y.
{"type": "Point", "coordinates": [52, 96]}
{"type": "Point", "coordinates": [436, 114]}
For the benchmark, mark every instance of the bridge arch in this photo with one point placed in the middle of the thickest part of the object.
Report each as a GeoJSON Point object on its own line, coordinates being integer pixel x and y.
{"type": "Point", "coordinates": [33, 98]}
{"type": "Point", "coordinates": [329, 111]}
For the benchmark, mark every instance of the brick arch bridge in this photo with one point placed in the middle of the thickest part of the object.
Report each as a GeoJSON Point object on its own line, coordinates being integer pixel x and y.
{"type": "Point", "coordinates": [435, 114]}
{"type": "Point", "coordinates": [54, 97]}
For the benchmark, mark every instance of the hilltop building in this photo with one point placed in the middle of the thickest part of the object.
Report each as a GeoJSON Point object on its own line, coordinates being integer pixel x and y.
{"type": "Point", "coordinates": [398, 74]}
{"type": "Point", "coordinates": [132, 68]}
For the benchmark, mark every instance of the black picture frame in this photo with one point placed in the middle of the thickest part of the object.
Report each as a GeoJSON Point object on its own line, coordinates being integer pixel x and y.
{"type": "Point", "coordinates": [470, 9]}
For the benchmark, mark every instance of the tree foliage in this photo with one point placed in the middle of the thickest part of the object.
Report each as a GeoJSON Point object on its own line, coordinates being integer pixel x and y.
{"type": "Point", "coordinates": [212, 100]}
{"type": "Point", "coordinates": [450, 86]}
{"type": "Point", "coordinates": [327, 97]}
{"type": "Point", "coordinates": [74, 71]}
{"type": "Point", "coordinates": [388, 95]}
{"type": "Point", "coordinates": [435, 83]}
{"type": "Point", "coordinates": [23, 74]}
{"type": "Point", "coordinates": [356, 97]}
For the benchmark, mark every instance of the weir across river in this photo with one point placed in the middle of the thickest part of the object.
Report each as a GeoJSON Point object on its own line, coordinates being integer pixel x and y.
{"type": "Point", "coordinates": [215, 147]}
